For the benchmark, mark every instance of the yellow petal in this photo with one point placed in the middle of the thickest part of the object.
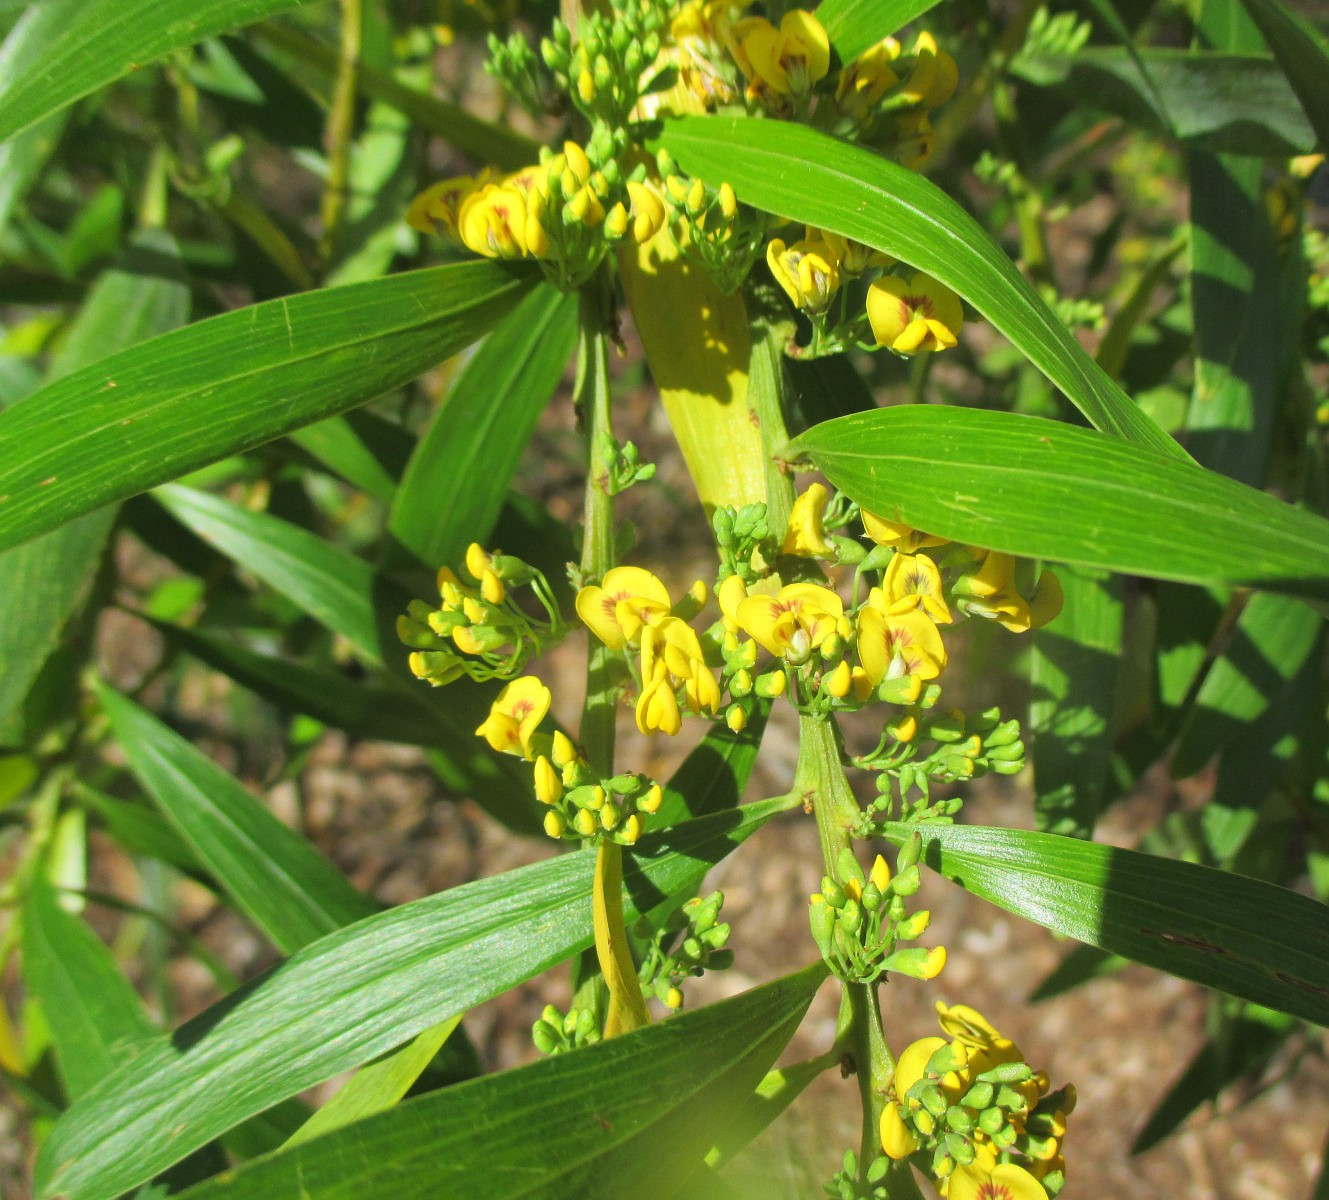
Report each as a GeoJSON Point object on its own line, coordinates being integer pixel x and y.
{"type": "Point", "coordinates": [1046, 603]}
{"type": "Point", "coordinates": [897, 1139]}
{"type": "Point", "coordinates": [887, 312]}
{"type": "Point", "coordinates": [1005, 1181]}
{"type": "Point", "coordinates": [812, 38]}
{"type": "Point", "coordinates": [910, 1066]}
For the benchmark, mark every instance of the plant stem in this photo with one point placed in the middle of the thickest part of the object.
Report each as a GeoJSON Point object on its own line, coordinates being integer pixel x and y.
{"type": "Point", "coordinates": [766, 395]}
{"type": "Point", "coordinates": [341, 118]}
{"type": "Point", "coordinates": [627, 1005]}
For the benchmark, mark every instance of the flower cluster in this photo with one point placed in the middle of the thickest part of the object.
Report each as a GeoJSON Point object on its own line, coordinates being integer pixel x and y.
{"type": "Point", "coordinates": [584, 806]}
{"type": "Point", "coordinates": [858, 922]}
{"type": "Point", "coordinates": [969, 1112]}
{"type": "Point", "coordinates": [478, 630]}
{"type": "Point", "coordinates": [692, 940]}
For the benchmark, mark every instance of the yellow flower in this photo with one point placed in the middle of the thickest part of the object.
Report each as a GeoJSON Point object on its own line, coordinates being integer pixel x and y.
{"type": "Point", "coordinates": [894, 644]}
{"type": "Point", "coordinates": [657, 706]}
{"type": "Point", "coordinates": [627, 599]}
{"type": "Point", "coordinates": [808, 271]}
{"type": "Point", "coordinates": [785, 61]}
{"type": "Point", "coordinates": [674, 643]}
{"type": "Point", "coordinates": [913, 581]}
{"type": "Point", "coordinates": [731, 592]}
{"type": "Point", "coordinates": [904, 538]}
{"type": "Point", "coordinates": [914, 315]}
{"type": "Point", "coordinates": [932, 81]}
{"type": "Point", "coordinates": [897, 1139]}
{"type": "Point", "coordinates": [799, 618]}
{"type": "Point", "coordinates": [867, 79]}
{"type": "Point", "coordinates": [1005, 1181]}
{"type": "Point", "coordinates": [492, 222]}
{"type": "Point", "coordinates": [806, 535]}
{"type": "Point", "coordinates": [853, 257]}
{"type": "Point", "coordinates": [648, 211]}
{"type": "Point", "coordinates": [914, 141]}
{"type": "Point", "coordinates": [515, 715]}
{"type": "Point", "coordinates": [438, 204]}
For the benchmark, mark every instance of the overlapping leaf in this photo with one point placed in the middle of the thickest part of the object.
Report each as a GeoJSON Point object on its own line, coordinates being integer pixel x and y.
{"type": "Point", "coordinates": [1029, 486]}
{"type": "Point", "coordinates": [178, 402]}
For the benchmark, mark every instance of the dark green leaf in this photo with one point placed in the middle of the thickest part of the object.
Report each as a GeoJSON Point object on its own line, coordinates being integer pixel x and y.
{"type": "Point", "coordinates": [271, 873]}
{"type": "Point", "coordinates": [1238, 935]}
{"type": "Point", "coordinates": [457, 478]}
{"type": "Point", "coordinates": [627, 1118]}
{"type": "Point", "coordinates": [61, 50]}
{"type": "Point", "coordinates": [96, 1019]}
{"type": "Point", "coordinates": [1303, 53]}
{"type": "Point", "coordinates": [1073, 675]}
{"type": "Point", "coordinates": [47, 578]}
{"type": "Point", "coordinates": [806, 176]}
{"type": "Point", "coordinates": [21, 161]}
{"type": "Point", "coordinates": [855, 25]}
{"type": "Point", "coordinates": [133, 420]}
{"type": "Point", "coordinates": [1219, 102]}
{"type": "Point", "coordinates": [1029, 486]}
{"type": "Point", "coordinates": [139, 829]}
{"type": "Point", "coordinates": [355, 995]}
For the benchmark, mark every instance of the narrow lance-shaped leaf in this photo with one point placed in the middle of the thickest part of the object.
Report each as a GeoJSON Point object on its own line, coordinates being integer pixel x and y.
{"type": "Point", "coordinates": [1239, 935]}
{"type": "Point", "coordinates": [271, 873]}
{"type": "Point", "coordinates": [228, 384]}
{"type": "Point", "coordinates": [1029, 486]}
{"type": "Point", "coordinates": [47, 578]}
{"type": "Point", "coordinates": [96, 1019]}
{"type": "Point", "coordinates": [60, 50]}
{"type": "Point", "coordinates": [809, 177]}
{"type": "Point", "coordinates": [352, 996]}
{"type": "Point", "coordinates": [630, 1117]}
{"type": "Point", "coordinates": [457, 478]}
{"type": "Point", "coordinates": [1303, 53]}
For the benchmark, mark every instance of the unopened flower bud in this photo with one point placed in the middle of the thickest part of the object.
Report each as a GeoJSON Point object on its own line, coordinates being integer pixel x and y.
{"type": "Point", "coordinates": [555, 825]}
{"type": "Point", "coordinates": [650, 803]}
{"type": "Point", "coordinates": [631, 831]}
{"type": "Point", "coordinates": [741, 683]}
{"type": "Point", "coordinates": [610, 817]}
{"type": "Point", "coordinates": [548, 784]}
{"type": "Point", "coordinates": [728, 201]}
{"type": "Point", "coordinates": [913, 926]}
{"type": "Point", "coordinates": [674, 998]}
{"type": "Point", "coordinates": [838, 682]}
{"type": "Point", "coordinates": [585, 823]}
{"type": "Point", "coordinates": [771, 685]}
{"type": "Point", "coordinates": [736, 718]}
{"type": "Point", "coordinates": [616, 222]}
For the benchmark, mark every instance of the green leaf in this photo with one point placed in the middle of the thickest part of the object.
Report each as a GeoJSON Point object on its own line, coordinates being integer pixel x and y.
{"type": "Point", "coordinates": [332, 585]}
{"type": "Point", "coordinates": [337, 445]}
{"type": "Point", "coordinates": [713, 776]}
{"type": "Point", "coordinates": [133, 421]}
{"type": "Point", "coordinates": [378, 1086]}
{"type": "Point", "coordinates": [1073, 677]}
{"type": "Point", "coordinates": [21, 162]}
{"type": "Point", "coordinates": [809, 177]}
{"type": "Point", "coordinates": [96, 1019]}
{"type": "Point", "coordinates": [355, 995]}
{"type": "Point", "coordinates": [1303, 53]}
{"type": "Point", "coordinates": [139, 829]}
{"type": "Point", "coordinates": [1030, 486]}
{"type": "Point", "coordinates": [274, 876]}
{"type": "Point", "coordinates": [1220, 102]}
{"type": "Point", "coordinates": [628, 1117]}
{"type": "Point", "coordinates": [458, 477]}
{"type": "Point", "coordinates": [47, 578]}
{"type": "Point", "coordinates": [60, 50]}
{"type": "Point", "coordinates": [1238, 935]}
{"type": "Point", "coordinates": [855, 25]}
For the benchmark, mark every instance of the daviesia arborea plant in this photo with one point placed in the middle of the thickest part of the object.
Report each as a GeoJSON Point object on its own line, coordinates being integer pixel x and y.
{"type": "Point", "coordinates": [790, 214]}
{"type": "Point", "coordinates": [822, 604]}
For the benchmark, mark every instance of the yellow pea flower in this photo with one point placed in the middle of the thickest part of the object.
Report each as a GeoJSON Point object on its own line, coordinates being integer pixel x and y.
{"type": "Point", "coordinates": [914, 315]}
{"type": "Point", "coordinates": [867, 79]}
{"type": "Point", "coordinates": [627, 599]}
{"type": "Point", "coordinates": [657, 706]}
{"type": "Point", "coordinates": [799, 618]}
{"type": "Point", "coordinates": [731, 592]}
{"type": "Point", "coordinates": [897, 1139]}
{"type": "Point", "coordinates": [897, 644]}
{"type": "Point", "coordinates": [1046, 603]}
{"type": "Point", "coordinates": [808, 271]}
{"type": "Point", "coordinates": [785, 61]}
{"type": "Point", "coordinates": [674, 643]}
{"type": "Point", "coordinates": [806, 535]}
{"type": "Point", "coordinates": [913, 581]}
{"type": "Point", "coordinates": [902, 537]}
{"type": "Point", "coordinates": [492, 222]}
{"type": "Point", "coordinates": [648, 211]}
{"type": "Point", "coordinates": [934, 77]}
{"type": "Point", "coordinates": [1005, 1181]}
{"type": "Point", "coordinates": [853, 257]}
{"type": "Point", "coordinates": [515, 715]}
{"type": "Point", "coordinates": [438, 205]}
{"type": "Point", "coordinates": [914, 142]}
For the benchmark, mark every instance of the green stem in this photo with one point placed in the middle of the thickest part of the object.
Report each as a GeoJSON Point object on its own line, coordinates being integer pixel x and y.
{"type": "Point", "coordinates": [766, 395]}
{"type": "Point", "coordinates": [341, 119]}
{"type": "Point", "coordinates": [627, 1005]}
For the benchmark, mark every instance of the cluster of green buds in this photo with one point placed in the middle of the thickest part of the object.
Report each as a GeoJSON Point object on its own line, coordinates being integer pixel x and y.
{"type": "Point", "coordinates": [969, 1110]}
{"type": "Point", "coordinates": [843, 1185]}
{"type": "Point", "coordinates": [584, 807]}
{"type": "Point", "coordinates": [692, 941]}
{"type": "Point", "coordinates": [742, 541]}
{"type": "Point", "coordinates": [962, 747]}
{"type": "Point", "coordinates": [625, 465]}
{"type": "Point", "coordinates": [859, 921]}
{"type": "Point", "coordinates": [557, 1033]}
{"type": "Point", "coordinates": [603, 69]}
{"type": "Point", "coordinates": [711, 227]}
{"type": "Point", "coordinates": [478, 630]}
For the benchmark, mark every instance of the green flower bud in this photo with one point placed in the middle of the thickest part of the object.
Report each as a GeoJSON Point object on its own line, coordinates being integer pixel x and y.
{"type": "Point", "coordinates": [585, 823]}
{"type": "Point", "coordinates": [991, 1121]}
{"type": "Point", "coordinates": [848, 551]}
{"type": "Point", "coordinates": [770, 685]}
{"type": "Point", "coordinates": [610, 817]}
{"type": "Point", "coordinates": [1011, 1072]}
{"type": "Point", "coordinates": [959, 1148]}
{"type": "Point", "coordinates": [897, 909]}
{"type": "Point", "coordinates": [851, 917]}
{"type": "Point", "coordinates": [832, 648]}
{"type": "Point", "coordinates": [1003, 735]}
{"type": "Point", "coordinates": [692, 948]}
{"type": "Point", "coordinates": [979, 1096]}
{"type": "Point", "coordinates": [960, 1120]}
{"type": "Point", "coordinates": [833, 892]}
{"type": "Point", "coordinates": [949, 728]}
{"type": "Point", "coordinates": [545, 1037]}
{"type": "Point", "coordinates": [821, 917]}
{"type": "Point", "coordinates": [915, 925]}
{"type": "Point", "coordinates": [848, 866]}
{"type": "Point", "coordinates": [907, 881]}
{"type": "Point", "coordinates": [931, 1097]}
{"type": "Point", "coordinates": [740, 684]}
{"type": "Point", "coordinates": [872, 897]}
{"type": "Point", "coordinates": [1012, 752]}
{"type": "Point", "coordinates": [1008, 768]}
{"type": "Point", "coordinates": [1009, 1099]}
